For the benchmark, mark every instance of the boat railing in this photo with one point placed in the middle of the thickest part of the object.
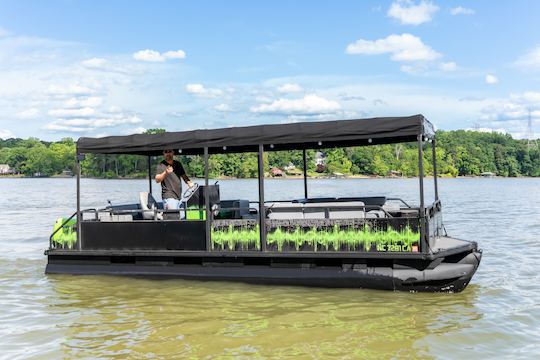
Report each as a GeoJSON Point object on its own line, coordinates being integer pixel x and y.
{"type": "Point", "coordinates": [294, 216]}
{"type": "Point", "coordinates": [326, 207]}
{"type": "Point", "coordinates": [434, 208]}
{"type": "Point", "coordinates": [400, 200]}
{"type": "Point", "coordinates": [64, 223]}
{"type": "Point", "coordinates": [155, 212]}
{"type": "Point", "coordinates": [433, 220]}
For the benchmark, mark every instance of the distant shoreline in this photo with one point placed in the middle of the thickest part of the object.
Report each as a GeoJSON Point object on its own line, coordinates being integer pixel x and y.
{"type": "Point", "coordinates": [280, 178]}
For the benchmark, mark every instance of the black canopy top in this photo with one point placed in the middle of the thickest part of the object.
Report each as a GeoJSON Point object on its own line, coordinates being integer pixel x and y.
{"type": "Point", "coordinates": [302, 135]}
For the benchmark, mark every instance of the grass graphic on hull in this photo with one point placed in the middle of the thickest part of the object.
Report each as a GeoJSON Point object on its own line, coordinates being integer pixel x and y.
{"type": "Point", "coordinates": [332, 239]}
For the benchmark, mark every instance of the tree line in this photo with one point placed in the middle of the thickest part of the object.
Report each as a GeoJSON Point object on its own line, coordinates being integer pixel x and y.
{"type": "Point", "coordinates": [459, 153]}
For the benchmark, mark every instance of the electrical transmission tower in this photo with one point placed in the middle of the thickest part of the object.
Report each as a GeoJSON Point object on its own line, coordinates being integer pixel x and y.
{"type": "Point", "coordinates": [531, 141]}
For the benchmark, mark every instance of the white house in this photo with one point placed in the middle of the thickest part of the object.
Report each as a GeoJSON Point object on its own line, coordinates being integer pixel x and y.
{"type": "Point", "coordinates": [5, 169]}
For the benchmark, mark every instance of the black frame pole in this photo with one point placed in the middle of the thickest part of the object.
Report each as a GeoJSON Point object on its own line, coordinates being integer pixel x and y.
{"type": "Point", "coordinates": [305, 173]}
{"type": "Point", "coordinates": [262, 211]}
{"type": "Point", "coordinates": [433, 149]}
{"type": "Point", "coordinates": [423, 242]}
{"type": "Point", "coordinates": [150, 174]}
{"type": "Point", "coordinates": [207, 202]}
{"type": "Point", "coordinates": [79, 219]}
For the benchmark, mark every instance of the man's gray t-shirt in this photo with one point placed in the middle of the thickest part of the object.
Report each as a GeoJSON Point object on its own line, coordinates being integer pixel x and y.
{"type": "Point", "coordinates": [171, 186]}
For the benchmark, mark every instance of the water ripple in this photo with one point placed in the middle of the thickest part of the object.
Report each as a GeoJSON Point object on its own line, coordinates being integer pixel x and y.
{"type": "Point", "coordinates": [65, 316]}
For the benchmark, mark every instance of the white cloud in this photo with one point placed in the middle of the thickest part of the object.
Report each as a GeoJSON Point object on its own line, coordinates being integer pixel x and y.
{"type": "Point", "coordinates": [28, 114]}
{"type": "Point", "coordinates": [195, 88]}
{"type": "Point", "coordinates": [200, 90]}
{"type": "Point", "coordinates": [148, 55]}
{"type": "Point", "coordinates": [448, 66]}
{"type": "Point", "coordinates": [531, 60]}
{"type": "Point", "coordinates": [409, 13]}
{"type": "Point", "coordinates": [222, 107]}
{"type": "Point", "coordinates": [309, 104]}
{"type": "Point", "coordinates": [94, 63]}
{"type": "Point", "coordinates": [427, 68]}
{"type": "Point", "coordinates": [79, 125]}
{"type": "Point", "coordinates": [491, 79]}
{"type": "Point", "coordinates": [404, 47]}
{"type": "Point", "coordinates": [487, 130]}
{"type": "Point", "coordinates": [416, 69]}
{"type": "Point", "coordinates": [6, 134]}
{"type": "Point", "coordinates": [175, 114]}
{"type": "Point", "coordinates": [516, 107]}
{"type": "Point", "coordinates": [460, 10]}
{"type": "Point", "coordinates": [47, 84]}
{"type": "Point", "coordinates": [119, 66]}
{"type": "Point", "coordinates": [289, 88]}
{"type": "Point", "coordinates": [137, 130]}
{"type": "Point", "coordinates": [73, 90]}
{"type": "Point", "coordinates": [69, 113]}
{"type": "Point", "coordinates": [528, 97]}
{"type": "Point", "coordinates": [340, 114]}
{"type": "Point", "coordinates": [155, 56]}
{"type": "Point", "coordinates": [90, 101]}
{"type": "Point", "coordinates": [178, 54]}
{"type": "Point", "coordinates": [347, 97]}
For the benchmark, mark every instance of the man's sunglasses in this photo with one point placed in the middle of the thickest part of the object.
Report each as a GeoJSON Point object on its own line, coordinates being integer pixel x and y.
{"type": "Point", "coordinates": [168, 152]}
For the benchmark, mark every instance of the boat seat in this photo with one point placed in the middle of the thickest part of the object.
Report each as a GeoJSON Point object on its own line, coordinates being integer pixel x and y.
{"type": "Point", "coordinates": [284, 211]}
{"type": "Point", "coordinates": [347, 210]}
{"type": "Point", "coordinates": [391, 207]}
{"type": "Point", "coordinates": [375, 214]}
{"type": "Point", "coordinates": [110, 217]}
{"type": "Point", "coordinates": [330, 210]}
{"type": "Point", "coordinates": [148, 204]}
{"type": "Point", "coordinates": [314, 211]}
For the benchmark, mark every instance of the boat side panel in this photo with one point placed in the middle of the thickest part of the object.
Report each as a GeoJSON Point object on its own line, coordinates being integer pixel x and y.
{"type": "Point", "coordinates": [144, 235]}
{"type": "Point", "coordinates": [411, 275]}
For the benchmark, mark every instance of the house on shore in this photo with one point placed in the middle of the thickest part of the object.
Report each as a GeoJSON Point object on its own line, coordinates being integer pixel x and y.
{"type": "Point", "coordinates": [276, 172]}
{"type": "Point", "coordinates": [5, 169]}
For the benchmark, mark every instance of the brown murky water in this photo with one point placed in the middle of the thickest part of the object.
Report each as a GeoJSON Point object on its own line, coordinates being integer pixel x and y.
{"type": "Point", "coordinates": [64, 316]}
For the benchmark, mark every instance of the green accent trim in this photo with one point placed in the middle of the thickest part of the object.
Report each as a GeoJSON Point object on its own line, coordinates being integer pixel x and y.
{"type": "Point", "coordinates": [68, 234]}
{"type": "Point", "coordinates": [245, 238]}
{"type": "Point", "coordinates": [331, 239]}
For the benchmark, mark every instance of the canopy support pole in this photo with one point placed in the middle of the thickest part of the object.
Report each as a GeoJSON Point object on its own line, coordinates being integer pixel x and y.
{"type": "Point", "coordinates": [207, 202]}
{"type": "Point", "coordinates": [150, 174]}
{"type": "Point", "coordinates": [434, 154]}
{"type": "Point", "coordinates": [79, 217]}
{"type": "Point", "coordinates": [262, 211]}
{"type": "Point", "coordinates": [423, 242]}
{"type": "Point", "coordinates": [305, 173]}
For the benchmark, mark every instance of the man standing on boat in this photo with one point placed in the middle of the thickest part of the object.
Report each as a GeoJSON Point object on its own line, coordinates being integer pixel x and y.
{"type": "Point", "coordinates": [168, 174]}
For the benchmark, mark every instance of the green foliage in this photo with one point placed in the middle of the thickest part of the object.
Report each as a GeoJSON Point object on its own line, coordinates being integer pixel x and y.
{"type": "Point", "coordinates": [338, 162]}
{"type": "Point", "coordinates": [459, 152]}
{"type": "Point", "coordinates": [155, 131]}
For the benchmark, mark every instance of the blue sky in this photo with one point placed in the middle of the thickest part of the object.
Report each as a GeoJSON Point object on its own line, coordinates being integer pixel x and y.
{"type": "Point", "coordinates": [96, 68]}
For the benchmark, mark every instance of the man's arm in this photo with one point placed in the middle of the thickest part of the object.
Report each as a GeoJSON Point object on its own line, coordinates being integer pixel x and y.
{"type": "Point", "coordinates": [186, 179]}
{"type": "Point", "coordinates": [162, 175]}
{"type": "Point", "coordinates": [184, 176]}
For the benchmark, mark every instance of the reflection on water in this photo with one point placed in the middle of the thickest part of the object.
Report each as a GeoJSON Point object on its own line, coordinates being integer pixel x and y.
{"type": "Point", "coordinates": [140, 318]}
{"type": "Point", "coordinates": [63, 316]}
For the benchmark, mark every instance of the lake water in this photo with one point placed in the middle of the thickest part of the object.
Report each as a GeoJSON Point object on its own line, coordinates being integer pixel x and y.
{"type": "Point", "coordinates": [64, 316]}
